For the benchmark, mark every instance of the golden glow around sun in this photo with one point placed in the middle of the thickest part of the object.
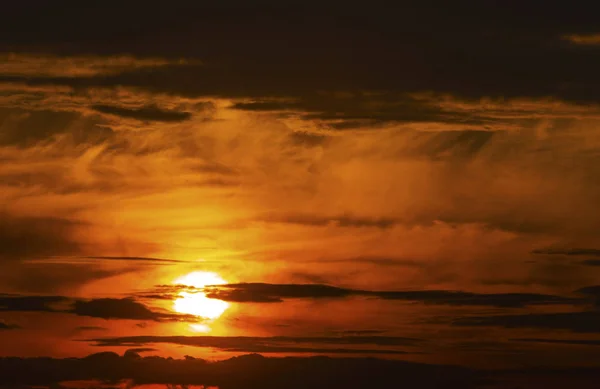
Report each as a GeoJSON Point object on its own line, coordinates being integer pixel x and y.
{"type": "Point", "coordinates": [195, 302]}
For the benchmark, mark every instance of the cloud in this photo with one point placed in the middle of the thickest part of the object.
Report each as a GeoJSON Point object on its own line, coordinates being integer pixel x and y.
{"type": "Point", "coordinates": [361, 110]}
{"type": "Point", "coordinates": [104, 308]}
{"type": "Point", "coordinates": [90, 328]}
{"type": "Point", "coordinates": [16, 303]}
{"type": "Point", "coordinates": [276, 344]}
{"type": "Point", "coordinates": [593, 292]}
{"type": "Point", "coordinates": [591, 262]}
{"type": "Point", "coordinates": [125, 308]}
{"type": "Point", "coordinates": [25, 237]}
{"type": "Point", "coordinates": [273, 293]}
{"type": "Point", "coordinates": [255, 371]}
{"type": "Point", "coordinates": [135, 259]}
{"type": "Point", "coordinates": [574, 252]}
{"type": "Point", "coordinates": [47, 65]}
{"type": "Point", "coordinates": [575, 342]}
{"type": "Point", "coordinates": [149, 113]}
{"type": "Point", "coordinates": [248, 371]}
{"type": "Point", "coordinates": [22, 127]}
{"type": "Point", "coordinates": [583, 39]}
{"type": "Point", "coordinates": [141, 350]}
{"type": "Point", "coordinates": [360, 332]}
{"type": "Point", "coordinates": [340, 221]}
{"type": "Point", "coordinates": [5, 326]}
{"type": "Point", "coordinates": [375, 260]}
{"type": "Point", "coordinates": [108, 308]}
{"type": "Point", "coordinates": [583, 322]}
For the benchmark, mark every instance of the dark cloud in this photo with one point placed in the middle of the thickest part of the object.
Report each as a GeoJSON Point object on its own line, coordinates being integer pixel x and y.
{"type": "Point", "coordinates": [16, 303]}
{"type": "Point", "coordinates": [505, 300]}
{"type": "Point", "coordinates": [360, 332]}
{"type": "Point", "coordinates": [90, 328]}
{"type": "Point", "coordinates": [308, 139]}
{"type": "Point", "coordinates": [593, 291]}
{"type": "Point", "coordinates": [338, 221]}
{"type": "Point", "coordinates": [25, 127]}
{"type": "Point", "coordinates": [574, 251]}
{"type": "Point", "coordinates": [449, 148]}
{"type": "Point", "coordinates": [363, 110]}
{"type": "Point", "coordinates": [248, 372]}
{"type": "Point", "coordinates": [272, 293]}
{"type": "Point", "coordinates": [126, 308]}
{"type": "Point", "coordinates": [346, 49]}
{"type": "Point", "coordinates": [113, 309]}
{"type": "Point", "coordinates": [149, 113]}
{"type": "Point", "coordinates": [275, 344]}
{"type": "Point", "coordinates": [575, 342]}
{"type": "Point", "coordinates": [215, 168]}
{"type": "Point", "coordinates": [5, 326]}
{"type": "Point", "coordinates": [584, 322]}
{"type": "Point", "coordinates": [375, 260]}
{"type": "Point", "coordinates": [591, 262]}
{"type": "Point", "coordinates": [104, 308]}
{"type": "Point", "coordinates": [141, 350]}
{"type": "Point", "coordinates": [26, 237]}
{"type": "Point", "coordinates": [255, 371]}
{"type": "Point", "coordinates": [135, 259]}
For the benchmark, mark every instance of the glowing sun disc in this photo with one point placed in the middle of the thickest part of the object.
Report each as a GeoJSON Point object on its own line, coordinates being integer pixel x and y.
{"type": "Point", "coordinates": [196, 303]}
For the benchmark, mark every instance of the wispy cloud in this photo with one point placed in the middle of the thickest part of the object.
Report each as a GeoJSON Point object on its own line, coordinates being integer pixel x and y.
{"type": "Point", "coordinates": [583, 39]}
{"type": "Point", "coordinates": [104, 308]}
{"type": "Point", "coordinates": [570, 251]}
{"type": "Point", "coordinates": [5, 326]}
{"type": "Point", "coordinates": [45, 65]}
{"type": "Point", "coordinates": [149, 113]}
{"type": "Point", "coordinates": [270, 293]}
{"type": "Point", "coordinates": [275, 344]}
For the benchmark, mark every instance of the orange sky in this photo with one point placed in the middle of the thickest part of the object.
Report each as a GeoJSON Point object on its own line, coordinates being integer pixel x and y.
{"type": "Point", "coordinates": [351, 192]}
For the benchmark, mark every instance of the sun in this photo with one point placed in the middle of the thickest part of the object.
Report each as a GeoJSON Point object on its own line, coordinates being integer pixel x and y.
{"type": "Point", "coordinates": [195, 302]}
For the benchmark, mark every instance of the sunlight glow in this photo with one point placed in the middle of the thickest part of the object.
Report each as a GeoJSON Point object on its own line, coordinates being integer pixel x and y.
{"type": "Point", "coordinates": [195, 302]}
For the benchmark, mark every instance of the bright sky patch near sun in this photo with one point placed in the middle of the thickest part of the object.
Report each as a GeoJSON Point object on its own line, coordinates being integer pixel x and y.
{"type": "Point", "coordinates": [196, 303]}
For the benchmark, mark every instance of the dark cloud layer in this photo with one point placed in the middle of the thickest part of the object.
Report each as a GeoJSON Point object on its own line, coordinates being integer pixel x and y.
{"type": "Point", "coordinates": [271, 344]}
{"type": "Point", "coordinates": [591, 262]}
{"type": "Point", "coordinates": [573, 252]}
{"type": "Point", "coordinates": [104, 308]}
{"type": "Point", "coordinates": [142, 259]}
{"type": "Point", "coordinates": [150, 113]}
{"type": "Point", "coordinates": [583, 322]}
{"type": "Point", "coordinates": [24, 127]}
{"type": "Point", "coordinates": [250, 371]}
{"type": "Point", "coordinates": [575, 342]}
{"type": "Point", "coordinates": [15, 303]}
{"type": "Point", "coordinates": [6, 326]}
{"type": "Point", "coordinates": [108, 308]}
{"type": "Point", "coordinates": [340, 221]}
{"type": "Point", "coordinates": [256, 371]}
{"type": "Point", "coordinates": [358, 49]}
{"type": "Point", "coordinates": [269, 293]}
{"type": "Point", "coordinates": [90, 328]}
{"type": "Point", "coordinates": [26, 237]}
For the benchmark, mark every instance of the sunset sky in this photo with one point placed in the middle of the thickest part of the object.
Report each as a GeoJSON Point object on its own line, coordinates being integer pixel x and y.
{"type": "Point", "coordinates": [296, 179]}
